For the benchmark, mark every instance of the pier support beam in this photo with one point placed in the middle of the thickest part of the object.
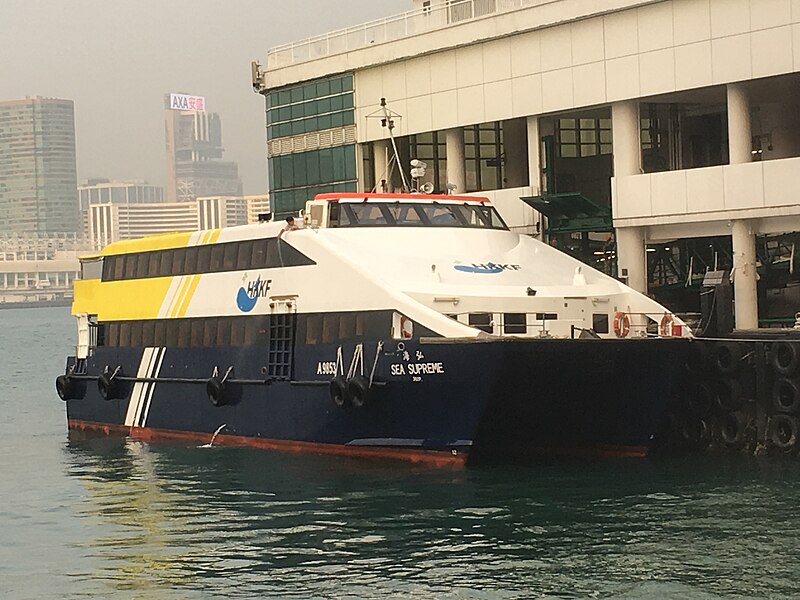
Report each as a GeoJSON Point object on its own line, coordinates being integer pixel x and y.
{"type": "Point", "coordinates": [515, 169]}
{"type": "Point", "coordinates": [534, 155]}
{"type": "Point", "coordinates": [380, 153]}
{"type": "Point", "coordinates": [632, 257]}
{"type": "Point", "coordinates": [740, 136]}
{"type": "Point", "coordinates": [745, 291]}
{"type": "Point", "coordinates": [456, 167]}
{"type": "Point", "coordinates": [625, 130]}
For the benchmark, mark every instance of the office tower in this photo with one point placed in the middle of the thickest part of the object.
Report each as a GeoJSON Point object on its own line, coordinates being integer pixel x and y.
{"type": "Point", "coordinates": [38, 182]}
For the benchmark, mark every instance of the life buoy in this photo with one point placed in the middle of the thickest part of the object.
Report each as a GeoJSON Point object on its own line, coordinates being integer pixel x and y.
{"type": "Point", "coordinates": [622, 324]}
{"type": "Point", "coordinates": [64, 387]}
{"type": "Point", "coordinates": [733, 429]}
{"type": "Point", "coordinates": [666, 327]}
{"type": "Point", "coordinates": [786, 396]}
{"type": "Point", "coordinates": [215, 389]}
{"type": "Point", "coordinates": [338, 391]}
{"type": "Point", "coordinates": [782, 432]}
{"type": "Point", "coordinates": [406, 328]}
{"type": "Point", "coordinates": [785, 357]}
{"type": "Point", "coordinates": [358, 391]}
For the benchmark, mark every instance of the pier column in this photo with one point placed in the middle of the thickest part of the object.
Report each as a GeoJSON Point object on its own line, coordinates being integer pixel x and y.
{"type": "Point", "coordinates": [456, 167]}
{"type": "Point", "coordinates": [534, 156]}
{"type": "Point", "coordinates": [745, 293]}
{"type": "Point", "coordinates": [740, 135]}
{"type": "Point", "coordinates": [632, 257]}
{"type": "Point", "coordinates": [626, 135]}
{"type": "Point", "coordinates": [515, 168]}
{"type": "Point", "coordinates": [380, 155]}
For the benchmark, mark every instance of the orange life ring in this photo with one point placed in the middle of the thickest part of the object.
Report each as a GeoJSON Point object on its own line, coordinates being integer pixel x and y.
{"type": "Point", "coordinates": [666, 326]}
{"type": "Point", "coordinates": [622, 324]}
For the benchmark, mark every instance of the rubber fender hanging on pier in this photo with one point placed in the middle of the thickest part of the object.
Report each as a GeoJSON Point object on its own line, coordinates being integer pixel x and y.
{"type": "Point", "coordinates": [216, 392]}
{"type": "Point", "coordinates": [786, 396]}
{"type": "Point", "coordinates": [733, 429]}
{"type": "Point", "coordinates": [782, 432]}
{"type": "Point", "coordinates": [702, 397]}
{"type": "Point", "coordinates": [728, 357]}
{"type": "Point", "coordinates": [338, 391]}
{"type": "Point", "coordinates": [108, 386]}
{"type": "Point", "coordinates": [693, 431]}
{"type": "Point", "coordinates": [785, 357]}
{"type": "Point", "coordinates": [729, 395]}
{"type": "Point", "coordinates": [358, 391]}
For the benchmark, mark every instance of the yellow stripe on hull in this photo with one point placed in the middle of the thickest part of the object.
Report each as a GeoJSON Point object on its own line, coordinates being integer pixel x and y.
{"type": "Point", "coordinates": [121, 300]}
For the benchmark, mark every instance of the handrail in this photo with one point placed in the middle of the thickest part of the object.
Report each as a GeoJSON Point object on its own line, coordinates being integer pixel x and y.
{"type": "Point", "coordinates": [430, 18]}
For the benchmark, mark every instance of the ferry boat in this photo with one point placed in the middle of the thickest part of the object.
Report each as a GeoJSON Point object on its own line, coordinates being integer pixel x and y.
{"type": "Point", "coordinates": [410, 326]}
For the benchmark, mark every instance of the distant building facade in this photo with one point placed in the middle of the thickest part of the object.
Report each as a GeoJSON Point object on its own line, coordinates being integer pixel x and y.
{"type": "Point", "coordinates": [111, 222]}
{"type": "Point", "coordinates": [105, 191]}
{"type": "Point", "coordinates": [195, 166]}
{"type": "Point", "coordinates": [38, 180]}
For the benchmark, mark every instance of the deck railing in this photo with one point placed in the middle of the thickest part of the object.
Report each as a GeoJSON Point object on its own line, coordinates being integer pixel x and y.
{"type": "Point", "coordinates": [438, 16]}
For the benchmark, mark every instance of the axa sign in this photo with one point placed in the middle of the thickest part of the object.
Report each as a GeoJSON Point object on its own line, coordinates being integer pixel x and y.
{"type": "Point", "coordinates": [186, 102]}
{"type": "Point", "coordinates": [487, 268]}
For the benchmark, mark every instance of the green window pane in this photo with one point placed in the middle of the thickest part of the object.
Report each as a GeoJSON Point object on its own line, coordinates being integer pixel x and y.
{"type": "Point", "coordinates": [350, 162]}
{"type": "Point", "coordinates": [270, 117]}
{"type": "Point", "coordinates": [271, 166]}
{"type": "Point", "coordinates": [337, 119]}
{"type": "Point", "coordinates": [588, 136]}
{"type": "Point", "coordinates": [339, 164]}
{"type": "Point", "coordinates": [347, 83]}
{"type": "Point", "coordinates": [347, 101]}
{"type": "Point", "coordinates": [325, 122]}
{"type": "Point", "coordinates": [309, 91]}
{"type": "Point", "coordinates": [588, 150]}
{"type": "Point", "coordinates": [311, 109]}
{"type": "Point", "coordinates": [568, 136]}
{"type": "Point", "coordinates": [272, 99]}
{"type": "Point", "coordinates": [300, 171]}
{"type": "Point", "coordinates": [325, 105]}
{"type": "Point", "coordinates": [336, 86]}
{"type": "Point", "coordinates": [349, 117]}
{"type": "Point", "coordinates": [313, 168]}
{"type": "Point", "coordinates": [587, 123]}
{"type": "Point", "coordinates": [312, 124]}
{"type": "Point", "coordinates": [566, 123]}
{"type": "Point", "coordinates": [298, 127]}
{"type": "Point", "coordinates": [284, 130]}
{"type": "Point", "coordinates": [337, 103]}
{"type": "Point", "coordinates": [286, 172]}
{"type": "Point", "coordinates": [297, 111]}
{"type": "Point", "coordinates": [284, 97]}
{"type": "Point", "coordinates": [326, 165]}
{"type": "Point", "coordinates": [285, 113]}
{"type": "Point", "coordinates": [323, 88]}
{"type": "Point", "coordinates": [297, 94]}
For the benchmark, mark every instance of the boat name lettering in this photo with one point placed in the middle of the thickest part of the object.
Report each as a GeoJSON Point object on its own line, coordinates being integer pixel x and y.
{"type": "Point", "coordinates": [326, 368]}
{"type": "Point", "coordinates": [251, 291]}
{"type": "Point", "coordinates": [489, 267]}
{"type": "Point", "coordinates": [429, 368]}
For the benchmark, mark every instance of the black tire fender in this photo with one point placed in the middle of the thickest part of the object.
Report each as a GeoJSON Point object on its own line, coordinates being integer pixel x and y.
{"type": "Point", "coordinates": [782, 432]}
{"type": "Point", "coordinates": [786, 396]}
{"type": "Point", "coordinates": [215, 389]}
{"type": "Point", "coordinates": [733, 428]}
{"type": "Point", "coordinates": [358, 391]}
{"type": "Point", "coordinates": [65, 388]}
{"type": "Point", "coordinates": [785, 357]}
{"type": "Point", "coordinates": [728, 357]}
{"type": "Point", "coordinates": [729, 395]}
{"type": "Point", "coordinates": [338, 391]}
{"type": "Point", "coordinates": [108, 388]}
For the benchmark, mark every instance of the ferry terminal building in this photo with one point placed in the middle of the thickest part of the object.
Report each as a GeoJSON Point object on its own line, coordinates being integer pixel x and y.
{"type": "Point", "coordinates": [657, 139]}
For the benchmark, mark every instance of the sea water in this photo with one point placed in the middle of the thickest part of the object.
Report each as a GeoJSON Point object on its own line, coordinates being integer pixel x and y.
{"type": "Point", "coordinates": [116, 518]}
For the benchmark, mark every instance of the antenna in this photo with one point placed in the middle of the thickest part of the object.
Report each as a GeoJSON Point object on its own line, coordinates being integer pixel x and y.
{"type": "Point", "coordinates": [387, 118]}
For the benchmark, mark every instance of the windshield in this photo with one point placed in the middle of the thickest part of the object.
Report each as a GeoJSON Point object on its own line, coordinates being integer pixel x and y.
{"type": "Point", "coordinates": [403, 214]}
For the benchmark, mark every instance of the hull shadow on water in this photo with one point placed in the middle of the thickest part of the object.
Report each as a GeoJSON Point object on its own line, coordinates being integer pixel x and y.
{"type": "Point", "coordinates": [184, 520]}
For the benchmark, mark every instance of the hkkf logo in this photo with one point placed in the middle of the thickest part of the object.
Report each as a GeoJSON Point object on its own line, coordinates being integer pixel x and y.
{"type": "Point", "coordinates": [251, 291]}
{"type": "Point", "coordinates": [485, 268]}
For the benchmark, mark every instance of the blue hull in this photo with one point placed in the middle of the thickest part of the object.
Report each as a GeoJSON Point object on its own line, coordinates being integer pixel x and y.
{"type": "Point", "coordinates": [447, 399]}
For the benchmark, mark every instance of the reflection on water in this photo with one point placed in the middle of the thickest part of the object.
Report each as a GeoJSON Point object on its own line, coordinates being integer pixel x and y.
{"type": "Point", "coordinates": [113, 518]}
{"type": "Point", "coordinates": [233, 521]}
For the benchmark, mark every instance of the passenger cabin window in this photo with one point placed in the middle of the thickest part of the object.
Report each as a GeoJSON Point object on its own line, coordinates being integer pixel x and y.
{"type": "Point", "coordinates": [514, 323]}
{"type": "Point", "coordinates": [208, 258]}
{"type": "Point", "coordinates": [92, 268]}
{"type": "Point", "coordinates": [405, 214]}
{"type": "Point", "coordinates": [482, 321]}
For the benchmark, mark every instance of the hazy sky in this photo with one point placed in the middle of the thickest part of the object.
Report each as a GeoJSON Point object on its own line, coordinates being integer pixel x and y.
{"type": "Point", "coordinates": [116, 59]}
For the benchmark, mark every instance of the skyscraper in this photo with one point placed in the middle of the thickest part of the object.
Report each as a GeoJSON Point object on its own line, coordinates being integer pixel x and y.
{"type": "Point", "coordinates": [194, 152]}
{"type": "Point", "coordinates": [38, 181]}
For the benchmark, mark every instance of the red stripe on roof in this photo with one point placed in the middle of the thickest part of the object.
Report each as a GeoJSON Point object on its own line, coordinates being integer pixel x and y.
{"type": "Point", "coordinates": [366, 195]}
